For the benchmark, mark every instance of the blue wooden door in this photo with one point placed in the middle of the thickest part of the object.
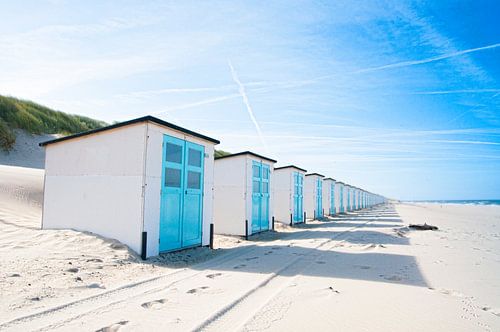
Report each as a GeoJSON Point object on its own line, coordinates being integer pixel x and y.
{"type": "Point", "coordinates": [332, 199]}
{"type": "Point", "coordinates": [341, 199]}
{"type": "Point", "coordinates": [260, 197]}
{"type": "Point", "coordinates": [348, 200]}
{"type": "Point", "coordinates": [193, 195]}
{"type": "Point", "coordinates": [256, 196]}
{"type": "Point", "coordinates": [264, 215]}
{"type": "Point", "coordinates": [319, 199]}
{"type": "Point", "coordinates": [298, 196]}
{"type": "Point", "coordinates": [181, 194]}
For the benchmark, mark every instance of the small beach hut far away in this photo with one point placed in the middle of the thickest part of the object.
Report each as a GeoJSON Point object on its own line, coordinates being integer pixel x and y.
{"type": "Point", "coordinates": [243, 203]}
{"type": "Point", "coordinates": [313, 195]}
{"type": "Point", "coordinates": [339, 187]}
{"type": "Point", "coordinates": [347, 197]}
{"type": "Point", "coordinates": [145, 182]}
{"type": "Point", "coordinates": [329, 196]}
{"type": "Point", "coordinates": [288, 189]}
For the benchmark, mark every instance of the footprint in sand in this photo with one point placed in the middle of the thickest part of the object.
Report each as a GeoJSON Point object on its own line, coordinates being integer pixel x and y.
{"type": "Point", "coordinates": [363, 267]}
{"type": "Point", "coordinates": [157, 304]}
{"type": "Point", "coordinates": [213, 275]}
{"type": "Point", "coordinates": [450, 292]}
{"type": "Point", "coordinates": [494, 311]}
{"type": "Point", "coordinates": [251, 258]}
{"type": "Point", "coordinates": [239, 266]}
{"type": "Point", "coordinates": [374, 246]}
{"type": "Point", "coordinates": [95, 285]}
{"type": "Point", "coordinates": [393, 278]}
{"type": "Point", "coordinates": [114, 327]}
{"type": "Point", "coordinates": [95, 260]}
{"type": "Point", "coordinates": [197, 290]}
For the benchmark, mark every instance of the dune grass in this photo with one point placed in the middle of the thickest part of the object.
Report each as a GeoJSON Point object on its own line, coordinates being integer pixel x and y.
{"type": "Point", "coordinates": [220, 153]}
{"type": "Point", "coordinates": [37, 119]}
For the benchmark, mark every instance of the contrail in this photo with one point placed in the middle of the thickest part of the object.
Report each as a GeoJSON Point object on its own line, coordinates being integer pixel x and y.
{"type": "Point", "coordinates": [241, 89]}
{"type": "Point", "coordinates": [444, 92]}
{"type": "Point", "coordinates": [432, 59]}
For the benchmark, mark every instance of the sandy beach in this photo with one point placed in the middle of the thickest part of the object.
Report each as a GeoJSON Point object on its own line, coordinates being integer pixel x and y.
{"type": "Point", "coordinates": [363, 271]}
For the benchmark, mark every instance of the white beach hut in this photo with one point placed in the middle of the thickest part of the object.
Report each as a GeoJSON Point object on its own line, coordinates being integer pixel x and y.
{"type": "Point", "coordinates": [243, 204]}
{"type": "Point", "coordinates": [340, 188]}
{"type": "Point", "coordinates": [347, 194]}
{"type": "Point", "coordinates": [288, 189]}
{"type": "Point", "coordinates": [145, 182]}
{"type": "Point", "coordinates": [329, 196]}
{"type": "Point", "coordinates": [355, 195]}
{"type": "Point", "coordinates": [352, 190]}
{"type": "Point", "coordinates": [313, 195]}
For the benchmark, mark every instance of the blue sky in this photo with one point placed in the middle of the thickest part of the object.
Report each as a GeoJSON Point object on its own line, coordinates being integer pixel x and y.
{"type": "Point", "coordinates": [400, 98]}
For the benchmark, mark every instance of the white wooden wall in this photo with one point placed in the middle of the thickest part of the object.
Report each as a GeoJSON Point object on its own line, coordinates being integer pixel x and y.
{"type": "Point", "coordinates": [283, 194]}
{"type": "Point", "coordinates": [94, 183]}
{"type": "Point", "coordinates": [327, 195]}
{"type": "Point", "coordinates": [230, 195]}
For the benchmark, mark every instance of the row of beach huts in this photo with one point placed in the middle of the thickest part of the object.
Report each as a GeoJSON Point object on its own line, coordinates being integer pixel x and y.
{"type": "Point", "coordinates": [157, 187]}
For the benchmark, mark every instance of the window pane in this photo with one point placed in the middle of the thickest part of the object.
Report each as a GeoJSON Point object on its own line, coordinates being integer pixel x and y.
{"type": "Point", "coordinates": [265, 187]}
{"type": "Point", "coordinates": [174, 153]}
{"type": "Point", "coordinates": [256, 187]}
{"type": "Point", "coordinates": [265, 173]}
{"type": "Point", "coordinates": [172, 177]}
{"type": "Point", "coordinates": [256, 171]}
{"type": "Point", "coordinates": [194, 158]}
{"type": "Point", "coordinates": [194, 180]}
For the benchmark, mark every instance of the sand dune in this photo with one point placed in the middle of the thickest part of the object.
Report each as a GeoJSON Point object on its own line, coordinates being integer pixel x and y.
{"type": "Point", "coordinates": [26, 151]}
{"type": "Point", "coordinates": [363, 271]}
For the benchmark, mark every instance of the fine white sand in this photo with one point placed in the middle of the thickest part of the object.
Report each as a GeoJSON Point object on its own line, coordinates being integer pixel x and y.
{"type": "Point", "coordinates": [363, 271]}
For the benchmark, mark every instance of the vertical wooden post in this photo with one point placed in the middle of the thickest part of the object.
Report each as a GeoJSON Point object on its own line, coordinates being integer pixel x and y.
{"type": "Point", "coordinates": [273, 223]}
{"type": "Point", "coordinates": [291, 219]}
{"type": "Point", "coordinates": [144, 246]}
{"type": "Point", "coordinates": [246, 229]}
{"type": "Point", "coordinates": [211, 236]}
{"type": "Point", "coordinates": [304, 217]}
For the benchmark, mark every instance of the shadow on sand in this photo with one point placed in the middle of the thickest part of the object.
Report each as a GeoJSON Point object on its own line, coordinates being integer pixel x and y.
{"type": "Point", "coordinates": [306, 251]}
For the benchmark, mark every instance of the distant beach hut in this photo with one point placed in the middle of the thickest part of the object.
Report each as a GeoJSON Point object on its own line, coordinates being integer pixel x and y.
{"type": "Point", "coordinates": [329, 196]}
{"type": "Point", "coordinates": [288, 192]}
{"type": "Point", "coordinates": [243, 204]}
{"type": "Point", "coordinates": [348, 194]}
{"type": "Point", "coordinates": [340, 198]}
{"type": "Point", "coordinates": [355, 195]}
{"type": "Point", "coordinates": [145, 182]}
{"type": "Point", "coordinates": [313, 195]}
{"type": "Point", "coordinates": [353, 198]}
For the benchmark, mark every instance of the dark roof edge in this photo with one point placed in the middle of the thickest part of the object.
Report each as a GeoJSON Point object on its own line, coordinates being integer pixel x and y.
{"type": "Point", "coordinates": [244, 153]}
{"type": "Point", "coordinates": [330, 179]}
{"type": "Point", "coordinates": [129, 122]}
{"type": "Point", "coordinates": [315, 174]}
{"type": "Point", "coordinates": [291, 166]}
